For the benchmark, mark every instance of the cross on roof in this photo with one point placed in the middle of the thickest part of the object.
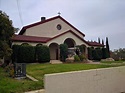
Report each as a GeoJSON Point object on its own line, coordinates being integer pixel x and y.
{"type": "Point", "coordinates": [59, 13]}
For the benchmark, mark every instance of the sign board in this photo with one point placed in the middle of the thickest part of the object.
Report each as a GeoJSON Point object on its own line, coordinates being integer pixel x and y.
{"type": "Point", "coordinates": [20, 70]}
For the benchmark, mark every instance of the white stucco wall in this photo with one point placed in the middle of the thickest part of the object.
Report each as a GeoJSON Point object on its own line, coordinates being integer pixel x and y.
{"type": "Point", "coordinates": [30, 43]}
{"type": "Point", "coordinates": [106, 80]}
{"type": "Point", "coordinates": [49, 29]}
{"type": "Point", "coordinates": [60, 40]}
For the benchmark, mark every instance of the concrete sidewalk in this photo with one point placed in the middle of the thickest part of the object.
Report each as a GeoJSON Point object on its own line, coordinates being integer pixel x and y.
{"type": "Point", "coordinates": [37, 91]}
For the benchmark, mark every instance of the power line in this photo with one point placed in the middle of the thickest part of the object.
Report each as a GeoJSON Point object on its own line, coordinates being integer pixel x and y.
{"type": "Point", "coordinates": [19, 11]}
{"type": "Point", "coordinates": [0, 4]}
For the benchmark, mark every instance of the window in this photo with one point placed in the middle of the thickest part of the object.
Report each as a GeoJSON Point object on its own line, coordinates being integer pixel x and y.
{"type": "Point", "coordinates": [59, 27]}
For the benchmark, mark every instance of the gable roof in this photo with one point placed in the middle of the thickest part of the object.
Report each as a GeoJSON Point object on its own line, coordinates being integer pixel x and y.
{"type": "Point", "coordinates": [47, 20]}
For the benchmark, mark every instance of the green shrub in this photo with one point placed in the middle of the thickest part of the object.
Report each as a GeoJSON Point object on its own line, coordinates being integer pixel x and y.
{"type": "Point", "coordinates": [95, 55]}
{"type": "Point", "coordinates": [43, 53]}
{"type": "Point", "coordinates": [90, 56]}
{"type": "Point", "coordinates": [63, 52]}
{"type": "Point", "coordinates": [38, 51]}
{"type": "Point", "coordinates": [82, 57]}
{"type": "Point", "coordinates": [82, 48]}
{"type": "Point", "coordinates": [99, 53]}
{"type": "Point", "coordinates": [104, 53]}
{"type": "Point", "coordinates": [76, 58]}
{"type": "Point", "coordinates": [15, 49]}
{"type": "Point", "coordinates": [26, 54]}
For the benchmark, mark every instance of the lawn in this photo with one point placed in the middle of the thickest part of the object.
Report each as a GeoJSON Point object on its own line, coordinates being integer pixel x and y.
{"type": "Point", "coordinates": [10, 85]}
{"type": "Point", "coordinates": [39, 70]}
{"type": "Point", "coordinates": [110, 62]}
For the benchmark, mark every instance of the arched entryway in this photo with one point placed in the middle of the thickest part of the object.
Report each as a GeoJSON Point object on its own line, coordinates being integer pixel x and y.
{"type": "Point", "coordinates": [54, 51]}
{"type": "Point", "coordinates": [70, 42]}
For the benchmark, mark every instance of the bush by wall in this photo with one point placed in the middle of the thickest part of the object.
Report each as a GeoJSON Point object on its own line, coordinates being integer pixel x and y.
{"type": "Point", "coordinates": [63, 52]}
{"type": "Point", "coordinates": [15, 49]}
{"type": "Point", "coordinates": [76, 58]}
{"type": "Point", "coordinates": [43, 53]}
{"type": "Point", "coordinates": [26, 54]}
{"type": "Point", "coordinates": [82, 48]}
{"type": "Point", "coordinates": [99, 53]}
{"type": "Point", "coordinates": [95, 55]}
{"type": "Point", "coordinates": [38, 51]}
{"type": "Point", "coordinates": [90, 56]}
{"type": "Point", "coordinates": [104, 53]}
{"type": "Point", "coordinates": [82, 57]}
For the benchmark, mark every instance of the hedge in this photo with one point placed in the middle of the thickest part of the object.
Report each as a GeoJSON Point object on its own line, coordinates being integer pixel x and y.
{"type": "Point", "coordinates": [26, 54]}
{"type": "Point", "coordinates": [43, 53]}
{"type": "Point", "coordinates": [95, 54]}
{"type": "Point", "coordinates": [15, 49]}
{"type": "Point", "coordinates": [104, 53]}
{"type": "Point", "coordinates": [90, 56]}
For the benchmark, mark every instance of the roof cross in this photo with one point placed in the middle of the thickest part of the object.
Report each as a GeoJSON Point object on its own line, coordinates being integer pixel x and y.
{"type": "Point", "coordinates": [59, 13]}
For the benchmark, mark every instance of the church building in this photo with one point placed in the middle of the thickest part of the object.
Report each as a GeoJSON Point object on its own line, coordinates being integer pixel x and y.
{"type": "Point", "coordinates": [53, 32]}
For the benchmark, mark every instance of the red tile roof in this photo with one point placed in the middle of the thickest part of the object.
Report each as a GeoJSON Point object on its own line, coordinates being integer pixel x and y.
{"type": "Point", "coordinates": [95, 44]}
{"type": "Point", "coordinates": [47, 20]}
{"type": "Point", "coordinates": [23, 38]}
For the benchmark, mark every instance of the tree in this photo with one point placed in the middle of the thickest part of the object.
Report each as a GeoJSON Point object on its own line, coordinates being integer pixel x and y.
{"type": "Point", "coordinates": [107, 46]}
{"type": "Point", "coordinates": [118, 54]}
{"type": "Point", "coordinates": [98, 40]}
{"type": "Point", "coordinates": [6, 32]}
{"type": "Point", "coordinates": [102, 41]}
{"type": "Point", "coordinates": [63, 52]}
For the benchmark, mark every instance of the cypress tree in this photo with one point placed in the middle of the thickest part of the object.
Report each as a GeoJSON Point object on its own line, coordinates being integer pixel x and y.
{"type": "Point", "coordinates": [63, 52]}
{"type": "Point", "coordinates": [98, 40]}
{"type": "Point", "coordinates": [107, 46]}
{"type": "Point", "coordinates": [102, 41]}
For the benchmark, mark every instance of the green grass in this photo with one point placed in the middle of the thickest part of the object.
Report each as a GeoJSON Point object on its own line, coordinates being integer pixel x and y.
{"type": "Point", "coordinates": [39, 70]}
{"type": "Point", "coordinates": [109, 62]}
{"type": "Point", "coordinates": [11, 85]}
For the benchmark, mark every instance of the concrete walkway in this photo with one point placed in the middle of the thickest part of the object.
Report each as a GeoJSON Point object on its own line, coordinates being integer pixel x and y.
{"type": "Point", "coordinates": [37, 91]}
{"type": "Point", "coordinates": [55, 62]}
{"type": "Point", "coordinates": [32, 78]}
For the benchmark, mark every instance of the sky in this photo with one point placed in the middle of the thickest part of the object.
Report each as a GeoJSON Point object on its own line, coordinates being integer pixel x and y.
{"type": "Point", "coordinates": [95, 18]}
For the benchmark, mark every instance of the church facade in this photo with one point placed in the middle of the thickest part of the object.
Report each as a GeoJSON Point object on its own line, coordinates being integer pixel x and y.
{"type": "Point", "coordinates": [53, 32]}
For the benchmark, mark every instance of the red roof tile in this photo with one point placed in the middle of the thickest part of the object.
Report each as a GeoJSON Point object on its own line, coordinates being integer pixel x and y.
{"type": "Point", "coordinates": [47, 20]}
{"type": "Point", "coordinates": [23, 38]}
{"type": "Point", "coordinates": [95, 44]}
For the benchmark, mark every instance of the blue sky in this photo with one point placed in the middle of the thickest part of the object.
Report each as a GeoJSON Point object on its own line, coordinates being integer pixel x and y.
{"type": "Point", "coordinates": [95, 18]}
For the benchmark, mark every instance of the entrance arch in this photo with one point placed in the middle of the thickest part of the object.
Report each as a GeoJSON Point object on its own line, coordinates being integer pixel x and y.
{"type": "Point", "coordinates": [54, 51]}
{"type": "Point", "coordinates": [70, 42]}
